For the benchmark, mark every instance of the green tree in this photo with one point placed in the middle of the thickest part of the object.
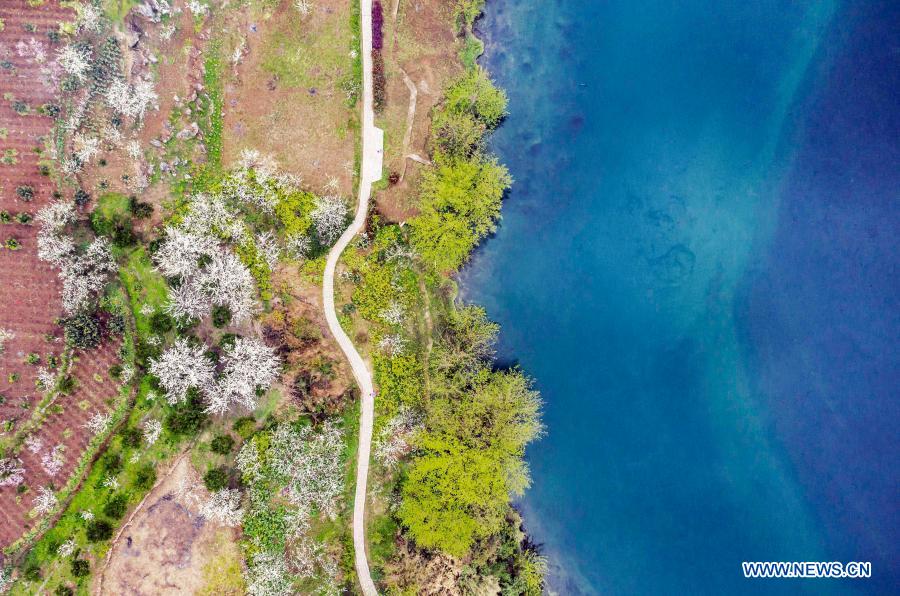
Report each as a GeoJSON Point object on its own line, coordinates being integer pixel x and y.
{"type": "Point", "coordinates": [452, 496]}
{"type": "Point", "coordinates": [474, 93]}
{"type": "Point", "coordinates": [460, 205]}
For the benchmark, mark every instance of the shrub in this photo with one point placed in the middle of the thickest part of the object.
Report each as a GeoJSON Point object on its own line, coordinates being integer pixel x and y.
{"type": "Point", "coordinates": [222, 444]}
{"type": "Point", "coordinates": [115, 371]}
{"type": "Point", "coordinates": [32, 571]}
{"type": "Point", "coordinates": [112, 462]}
{"type": "Point", "coordinates": [13, 244]}
{"type": "Point", "coordinates": [83, 330]}
{"type": "Point", "coordinates": [33, 359]}
{"type": "Point", "coordinates": [26, 193]}
{"type": "Point", "coordinates": [116, 506]}
{"type": "Point", "coordinates": [221, 316]}
{"type": "Point", "coordinates": [139, 209]}
{"type": "Point", "coordinates": [161, 323]}
{"type": "Point", "coordinates": [63, 590]}
{"type": "Point", "coordinates": [99, 530]}
{"type": "Point", "coordinates": [82, 197]}
{"type": "Point", "coordinates": [216, 479]}
{"type": "Point", "coordinates": [145, 477]}
{"type": "Point", "coordinates": [5, 217]}
{"type": "Point", "coordinates": [245, 427]}
{"type": "Point", "coordinates": [379, 81]}
{"type": "Point", "coordinates": [80, 568]}
{"type": "Point", "coordinates": [132, 437]}
{"type": "Point", "coordinates": [66, 385]}
{"type": "Point", "coordinates": [116, 324]}
{"type": "Point", "coordinates": [377, 25]}
{"type": "Point", "coordinates": [188, 417]}
{"type": "Point", "coordinates": [23, 217]}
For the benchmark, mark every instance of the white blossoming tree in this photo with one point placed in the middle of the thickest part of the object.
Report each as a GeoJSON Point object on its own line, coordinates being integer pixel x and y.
{"type": "Point", "coordinates": [45, 501]}
{"type": "Point", "coordinates": [248, 366]}
{"type": "Point", "coordinates": [180, 253]}
{"type": "Point", "coordinates": [224, 507]}
{"type": "Point", "coordinates": [394, 439]}
{"type": "Point", "coordinates": [83, 275]}
{"type": "Point", "coordinates": [85, 147]}
{"type": "Point", "coordinates": [152, 431]}
{"type": "Point", "coordinates": [392, 344]}
{"type": "Point", "coordinates": [66, 548]}
{"type": "Point", "coordinates": [11, 472]}
{"type": "Point", "coordinates": [54, 460]}
{"type": "Point", "coordinates": [131, 100]}
{"type": "Point", "coordinates": [329, 218]}
{"type": "Point", "coordinates": [310, 462]}
{"type": "Point", "coordinates": [181, 367]}
{"type": "Point", "coordinates": [267, 575]}
{"type": "Point", "coordinates": [98, 423]}
{"type": "Point", "coordinates": [74, 60]}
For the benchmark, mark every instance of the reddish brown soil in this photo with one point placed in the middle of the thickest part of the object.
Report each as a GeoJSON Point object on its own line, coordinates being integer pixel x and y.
{"type": "Point", "coordinates": [94, 392]}
{"type": "Point", "coordinates": [30, 290]}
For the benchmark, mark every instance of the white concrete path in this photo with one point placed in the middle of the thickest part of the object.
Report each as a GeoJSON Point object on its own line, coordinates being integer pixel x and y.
{"type": "Point", "coordinates": [370, 171]}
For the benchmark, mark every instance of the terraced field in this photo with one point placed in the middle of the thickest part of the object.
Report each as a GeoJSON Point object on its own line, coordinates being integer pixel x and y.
{"type": "Point", "coordinates": [29, 289]}
{"type": "Point", "coordinates": [29, 292]}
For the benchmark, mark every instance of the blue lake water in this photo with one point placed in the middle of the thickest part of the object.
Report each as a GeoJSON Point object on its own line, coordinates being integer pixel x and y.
{"type": "Point", "coordinates": [698, 264]}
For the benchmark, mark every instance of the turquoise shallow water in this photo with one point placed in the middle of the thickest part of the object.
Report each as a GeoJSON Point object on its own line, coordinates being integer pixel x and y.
{"type": "Point", "coordinates": [697, 264]}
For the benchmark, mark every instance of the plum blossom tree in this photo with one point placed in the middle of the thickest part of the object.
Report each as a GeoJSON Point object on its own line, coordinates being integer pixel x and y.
{"type": "Point", "coordinates": [310, 461]}
{"type": "Point", "coordinates": [45, 378]}
{"type": "Point", "coordinates": [54, 460]}
{"type": "Point", "coordinates": [268, 247]}
{"type": "Point", "coordinates": [98, 423]}
{"type": "Point", "coordinates": [393, 314]}
{"type": "Point", "coordinates": [392, 344]}
{"type": "Point", "coordinates": [11, 472]}
{"type": "Point", "coordinates": [85, 147]}
{"type": "Point", "coordinates": [131, 100]}
{"type": "Point", "coordinates": [74, 60]}
{"type": "Point", "coordinates": [267, 575]}
{"type": "Point", "coordinates": [152, 431]}
{"type": "Point", "coordinates": [224, 507]}
{"type": "Point", "coordinates": [226, 281]}
{"type": "Point", "coordinates": [90, 18]}
{"type": "Point", "coordinates": [34, 444]}
{"type": "Point", "coordinates": [5, 579]}
{"type": "Point", "coordinates": [248, 366]}
{"type": "Point", "coordinates": [180, 367]}
{"type": "Point", "coordinates": [209, 215]}
{"type": "Point", "coordinates": [179, 255]}
{"type": "Point", "coordinates": [329, 218]}
{"type": "Point", "coordinates": [394, 439]}
{"type": "Point", "coordinates": [298, 246]}
{"type": "Point", "coordinates": [66, 548]}
{"type": "Point", "coordinates": [45, 501]}
{"type": "Point", "coordinates": [83, 275]}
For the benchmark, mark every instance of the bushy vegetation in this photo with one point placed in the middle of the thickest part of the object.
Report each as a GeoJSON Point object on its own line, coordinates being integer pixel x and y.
{"type": "Point", "coordinates": [460, 198]}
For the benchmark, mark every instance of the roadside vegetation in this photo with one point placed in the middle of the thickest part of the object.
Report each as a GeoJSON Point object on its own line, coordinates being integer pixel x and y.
{"type": "Point", "coordinates": [451, 428]}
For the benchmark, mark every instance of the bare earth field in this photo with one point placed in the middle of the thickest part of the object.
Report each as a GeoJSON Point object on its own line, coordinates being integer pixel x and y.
{"type": "Point", "coordinates": [167, 546]}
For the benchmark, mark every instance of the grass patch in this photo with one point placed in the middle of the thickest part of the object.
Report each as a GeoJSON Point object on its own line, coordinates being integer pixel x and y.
{"type": "Point", "coordinates": [112, 204]}
{"type": "Point", "coordinates": [144, 286]}
{"type": "Point", "coordinates": [304, 55]}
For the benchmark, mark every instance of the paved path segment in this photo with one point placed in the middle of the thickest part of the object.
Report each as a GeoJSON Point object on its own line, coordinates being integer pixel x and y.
{"type": "Point", "coordinates": [370, 171]}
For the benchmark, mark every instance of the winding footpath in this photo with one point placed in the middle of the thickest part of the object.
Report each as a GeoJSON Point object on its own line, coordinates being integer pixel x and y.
{"type": "Point", "coordinates": [370, 172]}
